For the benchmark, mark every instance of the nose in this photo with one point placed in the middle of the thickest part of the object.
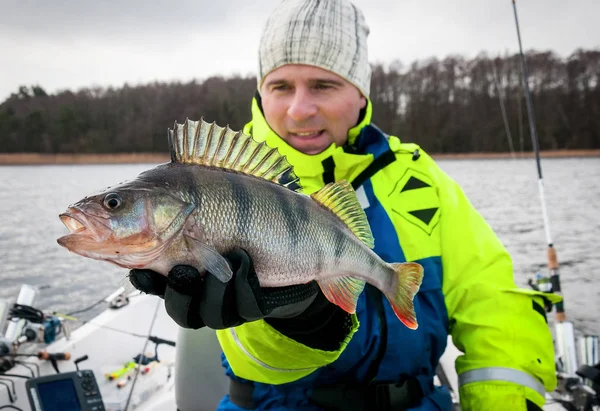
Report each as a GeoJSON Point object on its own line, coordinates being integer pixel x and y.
{"type": "Point", "coordinates": [302, 106]}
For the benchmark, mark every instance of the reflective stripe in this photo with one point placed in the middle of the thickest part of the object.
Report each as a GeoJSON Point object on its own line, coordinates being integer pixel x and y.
{"type": "Point", "coordinates": [259, 362]}
{"type": "Point", "coordinates": [502, 374]}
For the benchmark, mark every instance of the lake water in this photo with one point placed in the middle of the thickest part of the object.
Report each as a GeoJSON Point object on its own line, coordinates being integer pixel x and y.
{"type": "Point", "coordinates": [504, 191]}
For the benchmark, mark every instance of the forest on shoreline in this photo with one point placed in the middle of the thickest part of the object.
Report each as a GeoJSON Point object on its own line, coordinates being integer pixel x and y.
{"type": "Point", "coordinates": [447, 106]}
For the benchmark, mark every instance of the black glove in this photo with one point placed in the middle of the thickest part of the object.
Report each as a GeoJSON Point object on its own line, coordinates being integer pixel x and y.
{"type": "Point", "coordinates": [196, 299]}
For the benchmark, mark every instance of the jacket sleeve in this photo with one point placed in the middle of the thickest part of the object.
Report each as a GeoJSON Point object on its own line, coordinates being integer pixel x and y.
{"type": "Point", "coordinates": [258, 352]}
{"type": "Point", "coordinates": [508, 352]}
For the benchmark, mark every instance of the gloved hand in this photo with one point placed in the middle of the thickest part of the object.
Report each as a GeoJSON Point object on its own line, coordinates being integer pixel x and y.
{"type": "Point", "coordinates": [195, 300]}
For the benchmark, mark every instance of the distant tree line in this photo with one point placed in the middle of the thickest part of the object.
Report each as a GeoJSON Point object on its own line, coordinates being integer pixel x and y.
{"type": "Point", "coordinates": [449, 105]}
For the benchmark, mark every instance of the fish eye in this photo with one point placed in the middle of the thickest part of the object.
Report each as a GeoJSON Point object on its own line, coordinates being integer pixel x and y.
{"type": "Point", "coordinates": [112, 201]}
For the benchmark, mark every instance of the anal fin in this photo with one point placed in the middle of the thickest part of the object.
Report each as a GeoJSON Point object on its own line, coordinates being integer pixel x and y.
{"type": "Point", "coordinates": [342, 291]}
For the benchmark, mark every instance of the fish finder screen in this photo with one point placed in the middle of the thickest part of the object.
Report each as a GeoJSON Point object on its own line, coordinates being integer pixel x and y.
{"type": "Point", "coordinates": [59, 396]}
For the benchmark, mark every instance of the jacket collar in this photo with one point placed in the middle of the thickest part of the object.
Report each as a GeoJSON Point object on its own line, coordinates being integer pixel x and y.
{"type": "Point", "coordinates": [345, 162]}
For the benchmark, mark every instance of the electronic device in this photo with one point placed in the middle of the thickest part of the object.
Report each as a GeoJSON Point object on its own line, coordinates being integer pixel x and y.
{"type": "Point", "coordinates": [71, 391]}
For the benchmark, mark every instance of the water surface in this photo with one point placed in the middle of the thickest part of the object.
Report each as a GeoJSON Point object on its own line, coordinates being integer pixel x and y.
{"type": "Point", "coordinates": [504, 191]}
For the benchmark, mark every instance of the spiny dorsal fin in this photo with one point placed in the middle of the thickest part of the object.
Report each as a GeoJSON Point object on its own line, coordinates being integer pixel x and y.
{"type": "Point", "coordinates": [341, 199]}
{"type": "Point", "coordinates": [207, 144]}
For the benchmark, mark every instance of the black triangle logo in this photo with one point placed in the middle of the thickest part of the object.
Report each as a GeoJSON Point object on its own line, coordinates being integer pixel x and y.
{"type": "Point", "coordinates": [425, 215]}
{"type": "Point", "coordinates": [413, 183]}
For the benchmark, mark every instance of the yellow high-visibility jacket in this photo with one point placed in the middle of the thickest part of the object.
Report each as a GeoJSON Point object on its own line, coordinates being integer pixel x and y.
{"type": "Point", "coordinates": [417, 213]}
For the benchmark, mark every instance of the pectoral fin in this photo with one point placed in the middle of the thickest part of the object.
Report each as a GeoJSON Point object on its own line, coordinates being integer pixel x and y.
{"type": "Point", "coordinates": [210, 259]}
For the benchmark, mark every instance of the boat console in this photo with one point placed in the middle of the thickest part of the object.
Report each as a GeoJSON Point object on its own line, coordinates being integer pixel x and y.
{"type": "Point", "coordinates": [71, 391]}
{"type": "Point", "coordinates": [123, 371]}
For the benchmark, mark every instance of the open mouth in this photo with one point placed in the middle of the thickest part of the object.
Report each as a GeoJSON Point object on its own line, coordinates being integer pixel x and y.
{"type": "Point", "coordinates": [308, 135]}
{"type": "Point", "coordinates": [73, 224]}
{"type": "Point", "coordinates": [81, 225]}
{"type": "Point", "coordinates": [83, 232]}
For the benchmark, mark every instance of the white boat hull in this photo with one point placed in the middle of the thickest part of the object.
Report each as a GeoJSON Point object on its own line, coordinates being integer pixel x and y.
{"type": "Point", "coordinates": [198, 381]}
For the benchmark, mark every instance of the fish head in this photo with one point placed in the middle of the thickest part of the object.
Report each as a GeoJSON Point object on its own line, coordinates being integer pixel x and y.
{"type": "Point", "coordinates": [128, 224]}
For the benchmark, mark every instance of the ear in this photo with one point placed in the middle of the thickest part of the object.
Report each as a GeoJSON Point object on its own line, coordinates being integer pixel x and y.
{"type": "Point", "coordinates": [363, 102]}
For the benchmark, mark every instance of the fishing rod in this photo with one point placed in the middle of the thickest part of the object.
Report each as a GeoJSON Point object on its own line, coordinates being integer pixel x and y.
{"type": "Point", "coordinates": [587, 392]}
{"type": "Point", "coordinates": [552, 257]}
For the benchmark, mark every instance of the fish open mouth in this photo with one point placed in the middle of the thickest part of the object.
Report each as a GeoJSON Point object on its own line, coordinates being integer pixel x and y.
{"type": "Point", "coordinates": [83, 231]}
{"type": "Point", "coordinates": [73, 224]}
{"type": "Point", "coordinates": [80, 226]}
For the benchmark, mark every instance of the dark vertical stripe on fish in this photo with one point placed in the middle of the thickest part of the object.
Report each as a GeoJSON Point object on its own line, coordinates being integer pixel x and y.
{"type": "Point", "coordinates": [292, 211]}
{"type": "Point", "coordinates": [339, 240]}
{"type": "Point", "coordinates": [302, 208]}
{"type": "Point", "coordinates": [184, 179]}
{"type": "Point", "coordinates": [319, 256]}
{"type": "Point", "coordinates": [242, 200]}
{"type": "Point", "coordinates": [372, 265]}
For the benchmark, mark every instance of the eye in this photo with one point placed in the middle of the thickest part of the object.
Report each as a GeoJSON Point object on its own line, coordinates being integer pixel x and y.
{"type": "Point", "coordinates": [280, 87]}
{"type": "Point", "coordinates": [112, 201]}
{"type": "Point", "coordinates": [323, 86]}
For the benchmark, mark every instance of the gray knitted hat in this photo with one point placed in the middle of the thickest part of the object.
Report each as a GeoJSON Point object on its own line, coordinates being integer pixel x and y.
{"type": "Point", "coordinates": [330, 34]}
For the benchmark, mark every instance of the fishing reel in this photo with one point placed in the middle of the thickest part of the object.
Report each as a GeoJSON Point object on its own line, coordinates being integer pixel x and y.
{"type": "Point", "coordinates": [591, 376]}
{"type": "Point", "coordinates": [36, 328]}
{"type": "Point", "coordinates": [580, 392]}
{"type": "Point", "coordinates": [22, 323]}
{"type": "Point", "coordinates": [578, 359]}
{"type": "Point", "coordinates": [543, 284]}
{"type": "Point", "coordinates": [579, 374]}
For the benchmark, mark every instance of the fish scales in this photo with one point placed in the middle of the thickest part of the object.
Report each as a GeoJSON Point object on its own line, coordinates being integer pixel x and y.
{"type": "Point", "coordinates": [223, 190]}
{"type": "Point", "coordinates": [290, 238]}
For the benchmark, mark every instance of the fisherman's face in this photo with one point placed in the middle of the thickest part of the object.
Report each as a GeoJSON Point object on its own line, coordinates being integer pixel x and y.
{"type": "Point", "coordinates": [310, 107]}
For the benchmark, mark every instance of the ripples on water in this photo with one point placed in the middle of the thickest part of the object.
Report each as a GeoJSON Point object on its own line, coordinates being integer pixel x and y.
{"type": "Point", "coordinates": [504, 191]}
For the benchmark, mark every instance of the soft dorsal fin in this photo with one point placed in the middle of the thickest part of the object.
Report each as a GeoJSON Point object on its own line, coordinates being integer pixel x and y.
{"type": "Point", "coordinates": [341, 199]}
{"type": "Point", "coordinates": [207, 144]}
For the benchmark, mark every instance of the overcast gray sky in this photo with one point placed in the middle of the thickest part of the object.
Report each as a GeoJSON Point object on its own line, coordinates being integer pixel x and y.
{"type": "Point", "coordinates": [71, 44]}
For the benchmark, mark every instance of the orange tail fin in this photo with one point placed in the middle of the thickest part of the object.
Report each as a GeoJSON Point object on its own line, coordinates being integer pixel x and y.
{"type": "Point", "coordinates": [408, 277]}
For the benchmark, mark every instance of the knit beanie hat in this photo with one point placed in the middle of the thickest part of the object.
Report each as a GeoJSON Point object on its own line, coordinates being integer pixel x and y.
{"type": "Point", "coordinates": [330, 34]}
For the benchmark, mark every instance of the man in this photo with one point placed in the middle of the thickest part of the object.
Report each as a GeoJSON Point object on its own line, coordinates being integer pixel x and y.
{"type": "Point", "coordinates": [290, 348]}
